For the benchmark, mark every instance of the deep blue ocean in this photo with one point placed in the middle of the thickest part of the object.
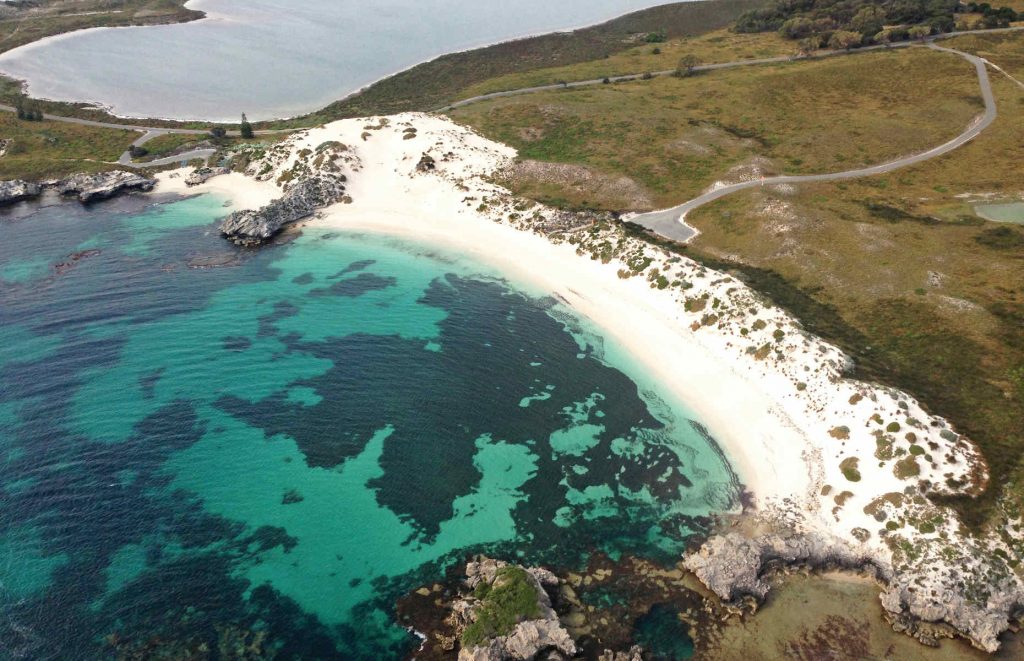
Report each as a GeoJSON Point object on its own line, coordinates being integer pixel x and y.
{"type": "Point", "coordinates": [206, 449]}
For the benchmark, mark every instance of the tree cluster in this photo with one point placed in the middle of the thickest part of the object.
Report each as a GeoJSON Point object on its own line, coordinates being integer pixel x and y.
{"type": "Point", "coordinates": [851, 23]}
{"type": "Point", "coordinates": [245, 128]}
{"type": "Point", "coordinates": [28, 112]}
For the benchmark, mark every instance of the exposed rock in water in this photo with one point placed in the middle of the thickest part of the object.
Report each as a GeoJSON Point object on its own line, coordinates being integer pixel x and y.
{"type": "Point", "coordinates": [485, 641]}
{"type": "Point", "coordinates": [202, 175]}
{"type": "Point", "coordinates": [18, 190]}
{"type": "Point", "coordinates": [217, 261]}
{"type": "Point", "coordinates": [252, 228]}
{"type": "Point", "coordinates": [104, 185]}
{"type": "Point", "coordinates": [636, 653]}
{"type": "Point", "coordinates": [72, 260]}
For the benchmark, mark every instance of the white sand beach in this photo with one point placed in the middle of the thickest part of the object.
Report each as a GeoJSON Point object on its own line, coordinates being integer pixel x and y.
{"type": "Point", "coordinates": [818, 451]}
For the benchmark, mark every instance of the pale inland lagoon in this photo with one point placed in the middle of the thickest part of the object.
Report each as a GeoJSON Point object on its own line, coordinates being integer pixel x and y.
{"type": "Point", "coordinates": [1009, 212]}
{"type": "Point", "coordinates": [277, 58]}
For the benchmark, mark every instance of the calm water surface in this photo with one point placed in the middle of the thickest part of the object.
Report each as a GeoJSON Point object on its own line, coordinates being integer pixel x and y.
{"type": "Point", "coordinates": [267, 453]}
{"type": "Point", "coordinates": [278, 58]}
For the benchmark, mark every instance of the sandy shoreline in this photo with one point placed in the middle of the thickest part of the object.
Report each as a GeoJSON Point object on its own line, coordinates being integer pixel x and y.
{"type": "Point", "coordinates": [648, 326]}
{"type": "Point", "coordinates": [846, 462]}
{"type": "Point", "coordinates": [763, 420]}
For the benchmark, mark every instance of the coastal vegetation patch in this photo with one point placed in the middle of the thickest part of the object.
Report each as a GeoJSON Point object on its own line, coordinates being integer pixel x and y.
{"type": "Point", "coordinates": [45, 149]}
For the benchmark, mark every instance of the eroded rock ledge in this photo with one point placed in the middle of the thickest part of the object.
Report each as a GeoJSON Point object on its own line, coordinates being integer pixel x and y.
{"type": "Point", "coordinates": [18, 190]}
{"type": "Point", "coordinates": [253, 228]}
{"type": "Point", "coordinates": [482, 617]}
{"type": "Point", "coordinates": [491, 610]}
{"type": "Point", "coordinates": [86, 187]}
{"type": "Point", "coordinates": [736, 567]}
{"type": "Point", "coordinates": [105, 185]}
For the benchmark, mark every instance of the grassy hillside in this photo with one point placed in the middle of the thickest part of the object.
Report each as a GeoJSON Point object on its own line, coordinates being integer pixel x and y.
{"type": "Point", "coordinates": [715, 46]}
{"type": "Point", "coordinates": [903, 265]}
{"type": "Point", "coordinates": [41, 150]}
{"type": "Point", "coordinates": [671, 137]}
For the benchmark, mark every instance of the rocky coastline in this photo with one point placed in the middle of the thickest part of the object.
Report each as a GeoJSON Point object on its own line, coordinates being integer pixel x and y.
{"type": "Point", "coordinates": [311, 179]}
{"type": "Point", "coordinates": [18, 191]}
{"type": "Point", "coordinates": [492, 610]}
{"type": "Point", "coordinates": [253, 228]}
{"type": "Point", "coordinates": [87, 188]}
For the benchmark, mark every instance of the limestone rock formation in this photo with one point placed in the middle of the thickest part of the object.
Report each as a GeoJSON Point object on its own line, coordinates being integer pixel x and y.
{"type": "Point", "coordinates": [542, 636]}
{"type": "Point", "coordinates": [104, 185]}
{"type": "Point", "coordinates": [733, 566]}
{"type": "Point", "coordinates": [925, 600]}
{"type": "Point", "coordinates": [201, 175]}
{"type": "Point", "coordinates": [635, 653]}
{"type": "Point", "coordinates": [303, 199]}
{"type": "Point", "coordinates": [18, 190]}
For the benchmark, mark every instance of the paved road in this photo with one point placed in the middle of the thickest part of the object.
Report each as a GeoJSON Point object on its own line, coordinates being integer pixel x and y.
{"type": "Point", "coordinates": [184, 157]}
{"type": "Point", "coordinates": [708, 67]}
{"type": "Point", "coordinates": [670, 223]}
{"type": "Point", "coordinates": [148, 133]}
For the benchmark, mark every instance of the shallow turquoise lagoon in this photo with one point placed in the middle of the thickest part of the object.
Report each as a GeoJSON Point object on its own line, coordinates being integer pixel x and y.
{"type": "Point", "coordinates": [271, 452]}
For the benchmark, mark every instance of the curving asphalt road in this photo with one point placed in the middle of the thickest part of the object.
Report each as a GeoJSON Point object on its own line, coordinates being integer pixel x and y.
{"type": "Point", "coordinates": [708, 67]}
{"type": "Point", "coordinates": [184, 157]}
{"type": "Point", "coordinates": [670, 223]}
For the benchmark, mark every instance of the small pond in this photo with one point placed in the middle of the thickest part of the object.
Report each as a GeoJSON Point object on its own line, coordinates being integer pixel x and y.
{"type": "Point", "coordinates": [1010, 212]}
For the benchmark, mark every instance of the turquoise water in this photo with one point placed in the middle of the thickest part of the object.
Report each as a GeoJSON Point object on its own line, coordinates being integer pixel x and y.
{"type": "Point", "coordinates": [266, 455]}
{"type": "Point", "coordinates": [278, 58]}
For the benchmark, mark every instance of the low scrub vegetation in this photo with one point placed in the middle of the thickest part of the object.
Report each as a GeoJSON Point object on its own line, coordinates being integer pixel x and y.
{"type": "Point", "coordinates": [511, 599]}
{"type": "Point", "coordinates": [838, 25]}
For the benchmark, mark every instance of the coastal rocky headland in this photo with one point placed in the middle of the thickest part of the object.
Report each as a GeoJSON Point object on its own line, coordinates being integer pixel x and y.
{"type": "Point", "coordinates": [85, 187]}
{"type": "Point", "coordinates": [103, 186]}
{"type": "Point", "coordinates": [18, 190]}
{"type": "Point", "coordinates": [310, 179]}
{"type": "Point", "coordinates": [847, 474]}
{"type": "Point", "coordinates": [492, 610]}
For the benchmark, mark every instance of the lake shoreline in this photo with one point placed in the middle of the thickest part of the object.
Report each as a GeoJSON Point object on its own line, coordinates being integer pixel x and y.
{"type": "Point", "coordinates": [108, 108]}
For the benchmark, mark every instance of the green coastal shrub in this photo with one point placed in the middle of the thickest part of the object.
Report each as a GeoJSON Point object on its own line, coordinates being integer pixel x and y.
{"type": "Point", "coordinates": [849, 469]}
{"type": "Point", "coordinates": [511, 599]}
{"type": "Point", "coordinates": [906, 468]}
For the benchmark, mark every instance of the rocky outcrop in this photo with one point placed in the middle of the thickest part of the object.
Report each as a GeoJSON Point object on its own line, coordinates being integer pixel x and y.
{"type": "Point", "coordinates": [540, 636]}
{"type": "Point", "coordinates": [982, 613]}
{"type": "Point", "coordinates": [635, 653]}
{"type": "Point", "coordinates": [18, 190]}
{"type": "Point", "coordinates": [734, 566]}
{"type": "Point", "coordinates": [253, 228]}
{"type": "Point", "coordinates": [924, 599]}
{"type": "Point", "coordinates": [200, 176]}
{"type": "Point", "coordinates": [526, 642]}
{"type": "Point", "coordinates": [104, 185]}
